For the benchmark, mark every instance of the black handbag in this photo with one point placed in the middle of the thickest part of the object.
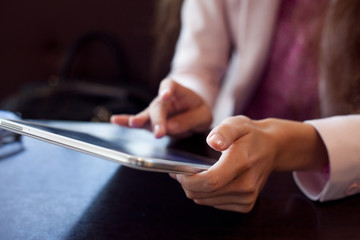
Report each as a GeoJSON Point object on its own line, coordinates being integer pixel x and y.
{"type": "Point", "coordinates": [65, 98]}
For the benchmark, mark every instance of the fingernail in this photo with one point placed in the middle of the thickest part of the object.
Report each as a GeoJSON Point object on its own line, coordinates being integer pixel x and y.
{"type": "Point", "coordinates": [132, 123]}
{"type": "Point", "coordinates": [164, 93]}
{"type": "Point", "coordinates": [156, 128]}
{"type": "Point", "coordinates": [158, 131]}
{"type": "Point", "coordinates": [112, 119]}
{"type": "Point", "coordinates": [218, 140]}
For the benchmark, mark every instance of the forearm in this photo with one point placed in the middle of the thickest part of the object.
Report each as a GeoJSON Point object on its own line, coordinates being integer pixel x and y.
{"type": "Point", "coordinates": [203, 49]}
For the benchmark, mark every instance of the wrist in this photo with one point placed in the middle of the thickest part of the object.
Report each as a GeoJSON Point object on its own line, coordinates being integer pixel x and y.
{"type": "Point", "coordinates": [298, 145]}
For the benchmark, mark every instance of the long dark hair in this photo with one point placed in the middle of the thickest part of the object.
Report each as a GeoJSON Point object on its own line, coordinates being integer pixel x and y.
{"type": "Point", "coordinates": [166, 31]}
{"type": "Point", "coordinates": [340, 59]}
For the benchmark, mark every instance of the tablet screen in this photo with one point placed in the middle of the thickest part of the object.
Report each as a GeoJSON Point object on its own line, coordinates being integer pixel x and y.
{"type": "Point", "coordinates": [129, 146]}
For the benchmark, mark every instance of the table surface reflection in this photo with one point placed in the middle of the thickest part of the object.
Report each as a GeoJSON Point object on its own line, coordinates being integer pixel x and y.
{"type": "Point", "coordinates": [49, 192]}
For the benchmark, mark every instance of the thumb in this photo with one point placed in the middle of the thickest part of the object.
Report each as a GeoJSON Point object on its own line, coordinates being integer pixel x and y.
{"type": "Point", "coordinates": [227, 132]}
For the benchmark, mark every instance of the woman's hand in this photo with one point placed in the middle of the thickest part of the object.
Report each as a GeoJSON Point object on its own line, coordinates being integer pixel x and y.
{"type": "Point", "coordinates": [251, 150]}
{"type": "Point", "coordinates": [175, 111]}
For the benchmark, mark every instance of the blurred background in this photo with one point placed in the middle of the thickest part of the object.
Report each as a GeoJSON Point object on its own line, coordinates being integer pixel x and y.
{"type": "Point", "coordinates": [36, 37]}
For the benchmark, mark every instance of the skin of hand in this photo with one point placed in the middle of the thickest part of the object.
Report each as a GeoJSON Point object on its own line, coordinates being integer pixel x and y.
{"type": "Point", "coordinates": [176, 111]}
{"type": "Point", "coordinates": [251, 150]}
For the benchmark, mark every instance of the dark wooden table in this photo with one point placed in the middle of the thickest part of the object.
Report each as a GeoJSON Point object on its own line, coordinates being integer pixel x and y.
{"type": "Point", "coordinates": [49, 192]}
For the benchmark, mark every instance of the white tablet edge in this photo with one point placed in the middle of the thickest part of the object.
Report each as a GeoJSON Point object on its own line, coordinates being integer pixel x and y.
{"type": "Point", "coordinates": [141, 163]}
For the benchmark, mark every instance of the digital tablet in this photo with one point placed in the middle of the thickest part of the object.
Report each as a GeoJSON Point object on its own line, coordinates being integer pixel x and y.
{"type": "Point", "coordinates": [128, 152]}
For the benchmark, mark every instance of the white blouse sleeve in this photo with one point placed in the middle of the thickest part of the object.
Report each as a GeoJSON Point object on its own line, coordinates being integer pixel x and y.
{"type": "Point", "coordinates": [341, 135]}
{"type": "Point", "coordinates": [203, 48]}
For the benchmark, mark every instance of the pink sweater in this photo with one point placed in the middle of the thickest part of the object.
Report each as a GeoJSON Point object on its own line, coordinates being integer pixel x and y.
{"type": "Point", "coordinates": [288, 85]}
